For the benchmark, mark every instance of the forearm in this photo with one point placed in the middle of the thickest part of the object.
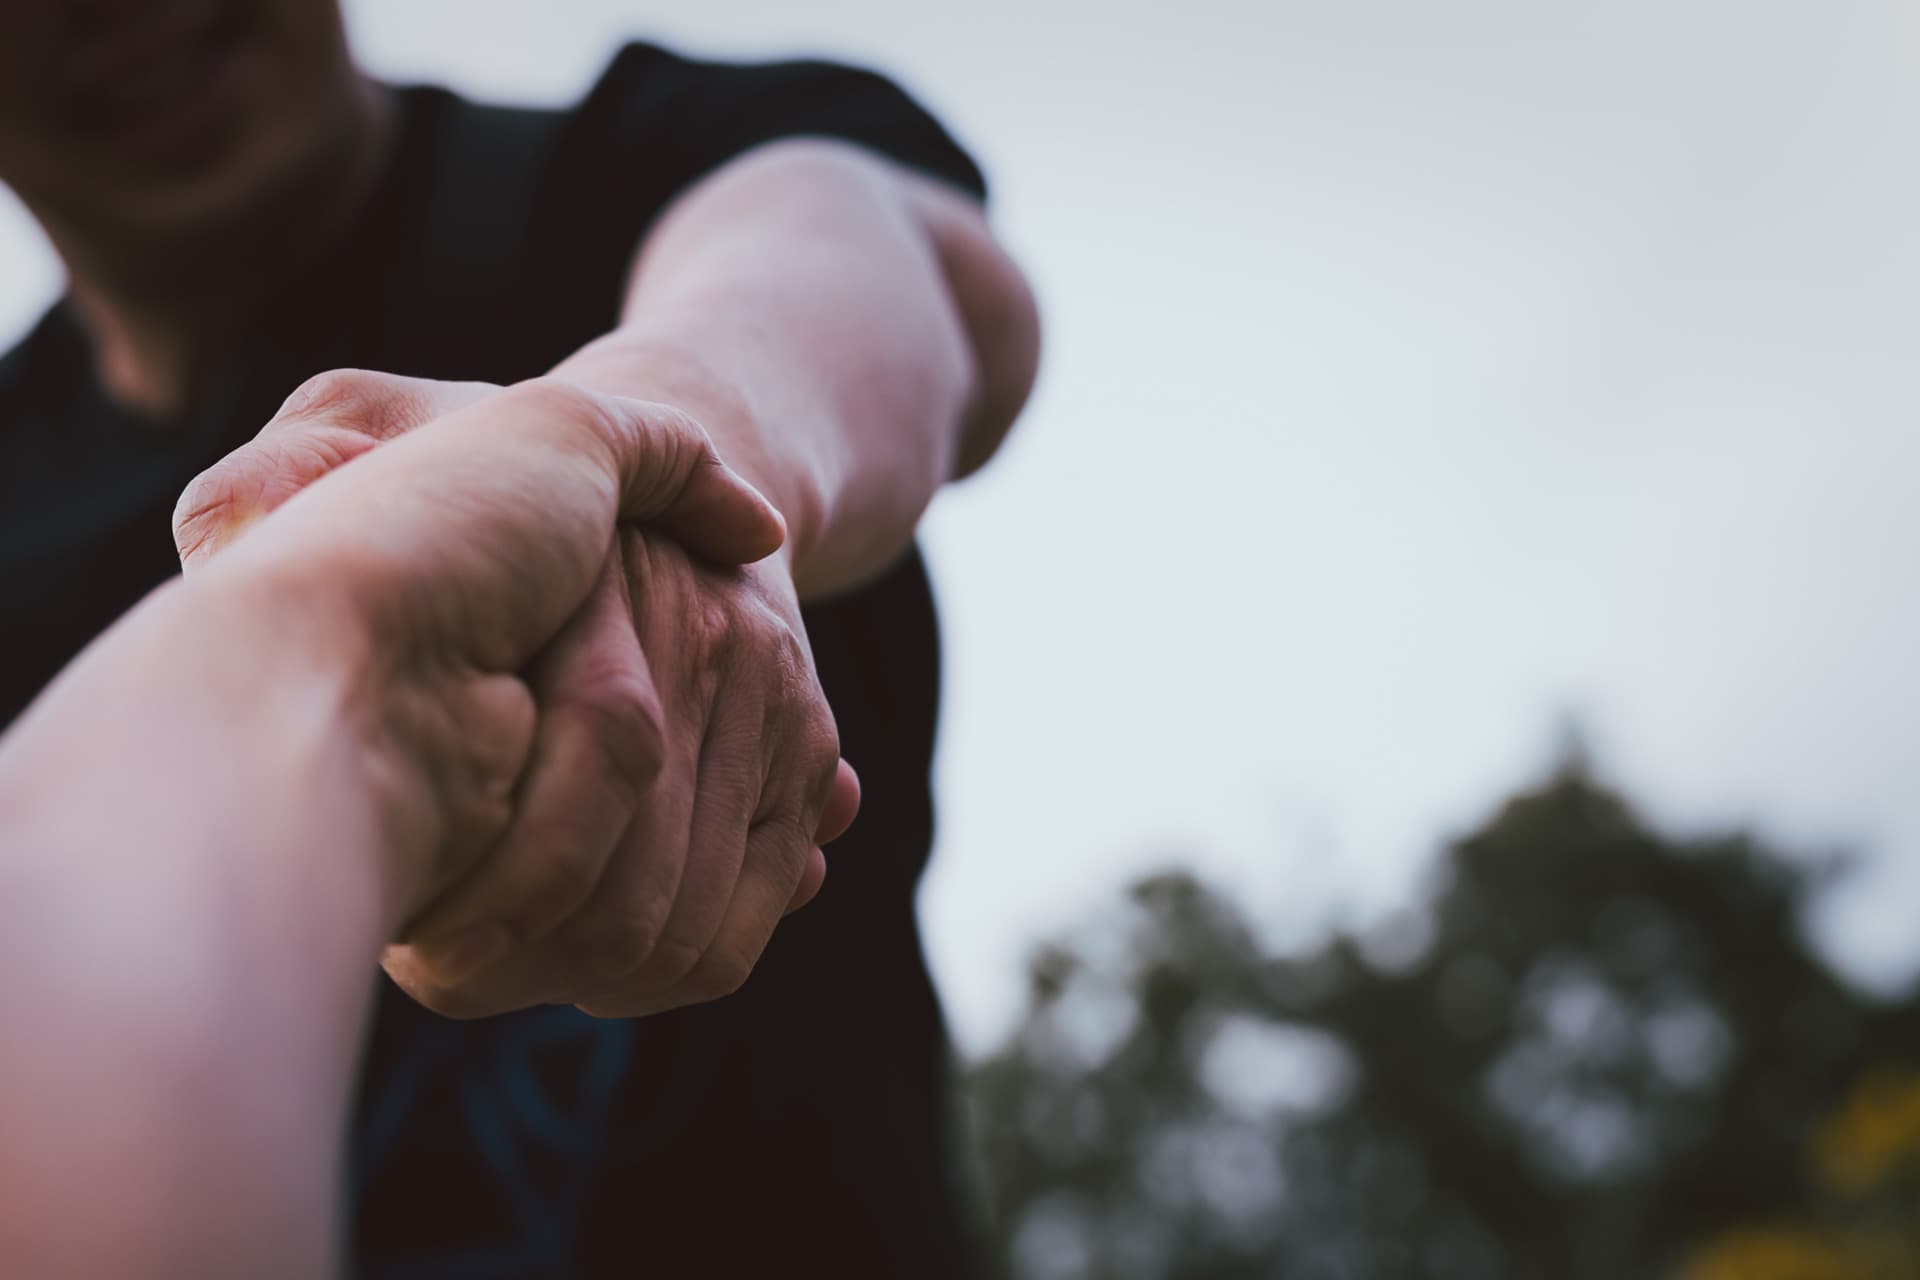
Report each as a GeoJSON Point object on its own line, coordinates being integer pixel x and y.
{"type": "Point", "coordinates": [848, 335]}
{"type": "Point", "coordinates": [190, 908]}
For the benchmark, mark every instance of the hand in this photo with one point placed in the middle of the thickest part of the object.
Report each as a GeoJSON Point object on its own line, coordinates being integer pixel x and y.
{"type": "Point", "coordinates": [724, 841]}
{"type": "Point", "coordinates": [218, 814]}
{"type": "Point", "coordinates": [450, 560]}
{"type": "Point", "coordinates": [608, 889]}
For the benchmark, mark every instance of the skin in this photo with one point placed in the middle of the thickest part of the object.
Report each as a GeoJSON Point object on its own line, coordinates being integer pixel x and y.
{"type": "Point", "coordinates": [336, 714]}
{"type": "Point", "coordinates": [846, 334]}
{"type": "Point", "coordinates": [822, 278]}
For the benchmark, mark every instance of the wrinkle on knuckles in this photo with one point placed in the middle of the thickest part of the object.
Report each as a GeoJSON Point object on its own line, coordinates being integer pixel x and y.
{"type": "Point", "coordinates": [374, 405]}
{"type": "Point", "coordinates": [801, 755]}
{"type": "Point", "coordinates": [709, 629]}
{"type": "Point", "coordinates": [221, 502]}
{"type": "Point", "coordinates": [338, 392]}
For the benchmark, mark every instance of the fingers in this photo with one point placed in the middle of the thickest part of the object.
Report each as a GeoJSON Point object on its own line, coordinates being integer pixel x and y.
{"type": "Point", "coordinates": [599, 744]}
{"type": "Point", "coordinates": [811, 881]}
{"type": "Point", "coordinates": [843, 805]}
{"type": "Point", "coordinates": [645, 928]}
{"type": "Point", "coordinates": [843, 802]}
{"type": "Point", "coordinates": [778, 854]}
{"type": "Point", "coordinates": [610, 937]}
{"type": "Point", "coordinates": [481, 729]}
{"type": "Point", "coordinates": [776, 861]}
{"type": "Point", "coordinates": [330, 420]}
{"type": "Point", "coordinates": [725, 795]}
{"type": "Point", "coordinates": [610, 944]}
{"type": "Point", "coordinates": [780, 868]}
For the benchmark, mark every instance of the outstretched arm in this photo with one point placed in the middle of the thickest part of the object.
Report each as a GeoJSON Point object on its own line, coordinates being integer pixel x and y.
{"type": "Point", "coordinates": [851, 337]}
{"type": "Point", "coordinates": [213, 820]}
{"type": "Point", "coordinates": [848, 330]}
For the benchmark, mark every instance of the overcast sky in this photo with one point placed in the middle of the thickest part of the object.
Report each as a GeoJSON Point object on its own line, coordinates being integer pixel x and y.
{"type": "Point", "coordinates": [1417, 375]}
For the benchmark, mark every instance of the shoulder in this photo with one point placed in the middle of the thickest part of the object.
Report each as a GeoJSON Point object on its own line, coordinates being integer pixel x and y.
{"type": "Point", "coordinates": [688, 116]}
{"type": "Point", "coordinates": [571, 207]}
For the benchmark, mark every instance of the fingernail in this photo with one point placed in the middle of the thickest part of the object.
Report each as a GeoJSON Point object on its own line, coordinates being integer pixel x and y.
{"type": "Point", "coordinates": [465, 953]}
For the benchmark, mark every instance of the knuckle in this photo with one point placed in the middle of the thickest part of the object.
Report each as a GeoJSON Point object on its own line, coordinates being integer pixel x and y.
{"type": "Point", "coordinates": [712, 632]}
{"type": "Point", "coordinates": [250, 481]}
{"type": "Point", "coordinates": [337, 393]}
{"type": "Point", "coordinates": [821, 741]}
{"type": "Point", "coordinates": [792, 659]}
{"type": "Point", "coordinates": [616, 710]}
{"type": "Point", "coordinates": [331, 419]}
{"type": "Point", "coordinates": [257, 477]}
{"type": "Point", "coordinates": [804, 768]}
{"type": "Point", "coordinates": [473, 736]}
{"type": "Point", "coordinates": [205, 506]}
{"type": "Point", "coordinates": [787, 665]}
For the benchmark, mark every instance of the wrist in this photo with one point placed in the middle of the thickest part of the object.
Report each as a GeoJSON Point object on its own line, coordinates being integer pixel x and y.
{"type": "Point", "coordinates": [372, 723]}
{"type": "Point", "coordinates": [188, 775]}
{"type": "Point", "coordinates": [276, 685]}
{"type": "Point", "coordinates": [649, 367]}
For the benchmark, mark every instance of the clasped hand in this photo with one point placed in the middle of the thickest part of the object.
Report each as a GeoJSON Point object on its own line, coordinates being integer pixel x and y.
{"type": "Point", "coordinates": [634, 846]}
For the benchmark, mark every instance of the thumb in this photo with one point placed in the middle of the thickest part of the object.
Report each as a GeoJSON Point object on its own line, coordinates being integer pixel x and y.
{"type": "Point", "coordinates": [672, 479]}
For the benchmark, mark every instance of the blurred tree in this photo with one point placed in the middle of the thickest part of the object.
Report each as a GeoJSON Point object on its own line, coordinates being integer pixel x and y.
{"type": "Point", "coordinates": [1596, 1052]}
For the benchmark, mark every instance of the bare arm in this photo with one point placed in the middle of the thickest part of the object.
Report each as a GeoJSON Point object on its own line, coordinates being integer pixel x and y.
{"type": "Point", "coordinates": [850, 337]}
{"type": "Point", "coordinates": [848, 332]}
{"type": "Point", "coordinates": [215, 818]}
{"type": "Point", "coordinates": [190, 894]}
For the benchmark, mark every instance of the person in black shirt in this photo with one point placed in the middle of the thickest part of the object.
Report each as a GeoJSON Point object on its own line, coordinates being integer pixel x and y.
{"type": "Point", "coordinates": [240, 211]}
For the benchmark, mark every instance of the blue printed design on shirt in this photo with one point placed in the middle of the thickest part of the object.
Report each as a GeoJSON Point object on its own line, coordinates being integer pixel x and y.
{"type": "Point", "coordinates": [535, 1140]}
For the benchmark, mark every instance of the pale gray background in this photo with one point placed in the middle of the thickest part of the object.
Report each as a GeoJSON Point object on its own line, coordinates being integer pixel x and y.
{"type": "Point", "coordinates": [1417, 374]}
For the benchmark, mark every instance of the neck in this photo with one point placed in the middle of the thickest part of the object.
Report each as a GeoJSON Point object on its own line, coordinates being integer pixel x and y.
{"type": "Point", "coordinates": [158, 308]}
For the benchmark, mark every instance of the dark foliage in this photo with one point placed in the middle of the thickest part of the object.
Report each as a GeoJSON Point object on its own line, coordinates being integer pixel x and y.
{"type": "Point", "coordinates": [1593, 1050]}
